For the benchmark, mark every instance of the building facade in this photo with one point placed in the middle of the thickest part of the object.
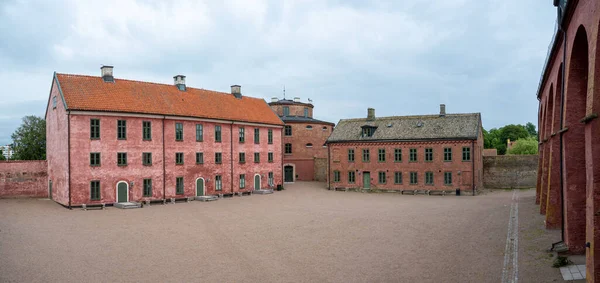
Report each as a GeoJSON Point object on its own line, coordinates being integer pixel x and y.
{"type": "Point", "coordinates": [112, 140]}
{"type": "Point", "coordinates": [569, 148]}
{"type": "Point", "coordinates": [7, 151]}
{"type": "Point", "coordinates": [303, 140]}
{"type": "Point", "coordinates": [428, 152]}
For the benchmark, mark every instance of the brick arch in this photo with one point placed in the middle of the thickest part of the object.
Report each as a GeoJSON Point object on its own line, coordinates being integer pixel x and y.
{"type": "Point", "coordinates": [544, 149]}
{"type": "Point", "coordinates": [553, 206]}
{"type": "Point", "coordinates": [574, 177]}
{"type": "Point", "coordinates": [538, 198]}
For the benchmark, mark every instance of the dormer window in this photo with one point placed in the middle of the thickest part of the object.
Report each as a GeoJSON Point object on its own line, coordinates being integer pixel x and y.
{"type": "Point", "coordinates": [368, 131]}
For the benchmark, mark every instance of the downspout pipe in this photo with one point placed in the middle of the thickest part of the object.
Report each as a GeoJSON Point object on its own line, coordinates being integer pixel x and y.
{"type": "Point", "coordinates": [69, 152]}
{"type": "Point", "coordinates": [163, 162]}
{"type": "Point", "coordinates": [231, 154]}
{"type": "Point", "coordinates": [473, 165]}
{"type": "Point", "coordinates": [328, 167]}
{"type": "Point", "coordinates": [560, 137]}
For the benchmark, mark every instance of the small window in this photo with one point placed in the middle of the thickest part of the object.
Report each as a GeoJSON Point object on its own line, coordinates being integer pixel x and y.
{"type": "Point", "coordinates": [242, 181]}
{"type": "Point", "coordinates": [397, 177]}
{"type": "Point", "coordinates": [94, 129]}
{"type": "Point", "coordinates": [305, 112]}
{"type": "Point", "coordinates": [428, 178]}
{"type": "Point", "coordinates": [242, 138]}
{"type": "Point", "coordinates": [309, 127]}
{"type": "Point", "coordinates": [54, 102]}
{"type": "Point", "coordinates": [256, 157]}
{"type": "Point", "coordinates": [288, 130]}
{"type": "Point", "coordinates": [256, 135]}
{"type": "Point", "coordinates": [270, 136]}
{"type": "Point", "coordinates": [218, 158]}
{"type": "Point", "coordinates": [199, 158]}
{"type": "Point", "coordinates": [217, 133]}
{"type": "Point", "coordinates": [447, 154]}
{"type": "Point", "coordinates": [429, 154]}
{"type": "Point", "coordinates": [147, 158]}
{"type": "Point", "coordinates": [351, 155]}
{"type": "Point", "coordinates": [270, 157]}
{"type": "Point", "coordinates": [288, 148]}
{"type": "Point", "coordinates": [351, 177]}
{"type": "Point", "coordinates": [199, 133]}
{"type": "Point", "coordinates": [448, 178]}
{"type": "Point", "coordinates": [218, 183]}
{"type": "Point", "coordinates": [179, 131]}
{"type": "Point", "coordinates": [413, 155]}
{"type": "Point", "coordinates": [382, 177]}
{"type": "Point", "coordinates": [95, 190]}
{"type": "Point", "coordinates": [368, 131]}
{"type": "Point", "coordinates": [466, 154]}
{"type": "Point", "coordinates": [179, 186]}
{"type": "Point", "coordinates": [270, 179]}
{"type": "Point", "coordinates": [336, 176]}
{"type": "Point", "coordinates": [121, 158]}
{"type": "Point", "coordinates": [147, 187]}
{"type": "Point", "coordinates": [286, 111]}
{"type": "Point", "coordinates": [324, 128]}
{"type": "Point", "coordinates": [179, 158]}
{"type": "Point", "coordinates": [121, 129]}
{"type": "Point", "coordinates": [414, 178]}
{"type": "Point", "coordinates": [398, 155]}
{"type": "Point", "coordinates": [242, 157]}
{"type": "Point", "coordinates": [381, 156]}
{"type": "Point", "coordinates": [95, 159]}
{"type": "Point", "coordinates": [366, 157]}
{"type": "Point", "coordinates": [147, 130]}
{"type": "Point", "coordinates": [309, 145]}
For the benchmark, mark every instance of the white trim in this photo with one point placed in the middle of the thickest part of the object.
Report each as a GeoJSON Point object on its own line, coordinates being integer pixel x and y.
{"type": "Point", "coordinates": [293, 173]}
{"type": "Point", "coordinates": [257, 125]}
{"type": "Point", "coordinates": [117, 191]}
{"type": "Point", "coordinates": [196, 186]}
{"type": "Point", "coordinates": [259, 181]}
{"type": "Point", "coordinates": [117, 114]}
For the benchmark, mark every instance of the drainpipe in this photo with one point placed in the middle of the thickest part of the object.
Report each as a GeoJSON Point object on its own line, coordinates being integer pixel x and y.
{"type": "Point", "coordinates": [231, 154]}
{"type": "Point", "coordinates": [560, 138]}
{"type": "Point", "coordinates": [69, 151]}
{"type": "Point", "coordinates": [163, 161]}
{"type": "Point", "coordinates": [328, 167]}
{"type": "Point", "coordinates": [473, 165]}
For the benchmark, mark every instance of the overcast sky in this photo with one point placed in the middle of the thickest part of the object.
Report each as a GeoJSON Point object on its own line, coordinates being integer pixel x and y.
{"type": "Point", "coordinates": [399, 57]}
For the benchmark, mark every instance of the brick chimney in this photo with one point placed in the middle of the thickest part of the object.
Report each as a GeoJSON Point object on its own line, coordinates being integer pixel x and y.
{"type": "Point", "coordinates": [107, 74]}
{"type": "Point", "coordinates": [442, 110]}
{"type": "Point", "coordinates": [371, 114]}
{"type": "Point", "coordinates": [179, 81]}
{"type": "Point", "coordinates": [236, 90]}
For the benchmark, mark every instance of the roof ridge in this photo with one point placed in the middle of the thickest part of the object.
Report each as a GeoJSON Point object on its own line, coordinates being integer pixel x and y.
{"type": "Point", "coordinates": [155, 83]}
{"type": "Point", "coordinates": [411, 116]}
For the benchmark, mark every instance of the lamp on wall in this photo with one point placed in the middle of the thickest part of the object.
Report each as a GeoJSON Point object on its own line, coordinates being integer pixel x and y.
{"type": "Point", "coordinates": [131, 185]}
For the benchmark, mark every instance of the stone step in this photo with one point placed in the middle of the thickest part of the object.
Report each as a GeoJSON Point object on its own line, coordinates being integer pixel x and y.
{"type": "Point", "coordinates": [127, 205]}
{"type": "Point", "coordinates": [263, 192]}
{"type": "Point", "coordinates": [206, 198]}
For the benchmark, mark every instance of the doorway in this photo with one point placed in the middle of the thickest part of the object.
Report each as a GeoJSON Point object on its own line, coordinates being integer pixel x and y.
{"type": "Point", "coordinates": [122, 192]}
{"type": "Point", "coordinates": [288, 174]}
{"type": "Point", "coordinates": [50, 189]}
{"type": "Point", "coordinates": [199, 187]}
{"type": "Point", "coordinates": [367, 180]}
{"type": "Point", "coordinates": [257, 182]}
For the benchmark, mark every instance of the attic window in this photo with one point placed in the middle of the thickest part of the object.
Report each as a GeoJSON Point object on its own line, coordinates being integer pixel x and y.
{"type": "Point", "coordinates": [54, 102]}
{"type": "Point", "coordinates": [368, 131]}
{"type": "Point", "coordinates": [309, 127]}
{"type": "Point", "coordinates": [309, 145]}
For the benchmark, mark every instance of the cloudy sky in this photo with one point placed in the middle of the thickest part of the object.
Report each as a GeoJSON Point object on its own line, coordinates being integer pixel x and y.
{"type": "Point", "coordinates": [399, 57]}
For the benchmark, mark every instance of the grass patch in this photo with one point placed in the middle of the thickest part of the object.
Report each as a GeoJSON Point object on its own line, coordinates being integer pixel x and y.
{"type": "Point", "coordinates": [561, 261]}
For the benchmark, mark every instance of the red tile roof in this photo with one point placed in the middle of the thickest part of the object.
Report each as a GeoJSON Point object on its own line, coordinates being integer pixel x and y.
{"type": "Point", "coordinates": [93, 94]}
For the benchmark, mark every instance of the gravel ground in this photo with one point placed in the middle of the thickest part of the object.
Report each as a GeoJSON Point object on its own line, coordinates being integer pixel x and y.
{"type": "Point", "coordinates": [302, 234]}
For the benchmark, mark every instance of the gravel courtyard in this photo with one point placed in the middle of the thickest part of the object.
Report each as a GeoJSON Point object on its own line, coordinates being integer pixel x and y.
{"type": "Point", "coordinates": [302, 234]}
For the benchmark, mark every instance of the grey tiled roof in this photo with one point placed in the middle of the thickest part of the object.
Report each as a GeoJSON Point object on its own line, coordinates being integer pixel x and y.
{"type": "Point", "coordinates": [432, 127]}
{"type": "Point", "coordinates": [302, 119]}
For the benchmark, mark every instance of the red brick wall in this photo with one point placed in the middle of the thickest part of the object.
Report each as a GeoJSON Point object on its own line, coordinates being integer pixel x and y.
{"type": "Point", "coordinates": [110, 174]}
{"type": "Point", "coordinates": [57, 147]}
{"type": "Point", "coordinates": [339, 161]}
{"type": "Point", "coordinates": [23, 179]}
{"type": "Point", "coordinates": [303, 156]}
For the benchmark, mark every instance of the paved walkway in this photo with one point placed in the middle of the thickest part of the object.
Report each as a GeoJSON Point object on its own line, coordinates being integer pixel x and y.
{"type": "Point", "coordinates": [302, 234]}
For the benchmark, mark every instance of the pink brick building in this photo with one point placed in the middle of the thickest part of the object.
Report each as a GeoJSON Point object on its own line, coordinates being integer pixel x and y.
{"type": "Point", "coordinates": [303, 139]}
{"type": "Point", "coordinates": [427, 152]}
{"type": "Point", "coordinates": [113, 140]}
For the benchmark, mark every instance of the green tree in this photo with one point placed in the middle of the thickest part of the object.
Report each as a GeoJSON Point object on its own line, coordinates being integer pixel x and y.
{"type": "Point", "coordinates": [29, 140]}
{"type": "Point", "coordinates": [2, 155]}
{"type": "Point", "coordinates": [497, 138]}
{"type": "Point", "coordinates": [524, 146]}
{"type": "Point", "coordinates": [530, 127]}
